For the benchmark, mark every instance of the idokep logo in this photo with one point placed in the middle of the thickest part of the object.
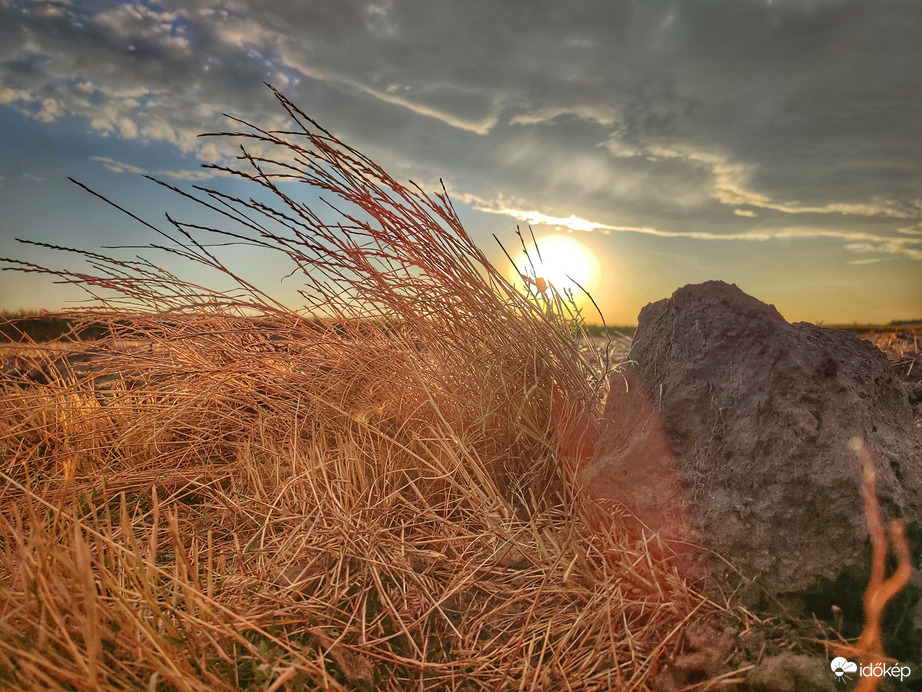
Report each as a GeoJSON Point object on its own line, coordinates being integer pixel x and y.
{"type": "Point", "coordinates": [844, 669]}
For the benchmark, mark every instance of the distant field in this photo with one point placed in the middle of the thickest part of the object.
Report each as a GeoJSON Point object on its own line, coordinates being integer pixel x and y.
{"type": "Point", "coordinates": [25, 327]}
{"type": "Point", "coordinates": [18, 327]}
{"type": "Point", "coordinates": [33, 327]}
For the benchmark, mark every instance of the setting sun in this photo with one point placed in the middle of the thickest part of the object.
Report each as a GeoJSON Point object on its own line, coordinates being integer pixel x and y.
{"type": "Point", "coordinates": [561, 262]}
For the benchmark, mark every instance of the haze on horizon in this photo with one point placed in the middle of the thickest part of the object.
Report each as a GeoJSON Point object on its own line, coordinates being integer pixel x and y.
{"type": "Point", "coordinates": [775, 144]}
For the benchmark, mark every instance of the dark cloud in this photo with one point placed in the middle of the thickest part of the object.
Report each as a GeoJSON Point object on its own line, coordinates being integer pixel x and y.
{"type": "Point", "coordinates": [738, 118]}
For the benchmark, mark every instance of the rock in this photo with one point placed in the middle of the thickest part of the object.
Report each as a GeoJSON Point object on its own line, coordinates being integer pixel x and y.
{"type": "Point", "coordinates": [791, 673]}
{"type": "Point", "coordinates": [758, 413]}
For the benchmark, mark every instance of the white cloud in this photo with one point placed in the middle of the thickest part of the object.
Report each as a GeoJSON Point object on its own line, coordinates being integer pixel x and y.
{"type": "Point", "coordinates": [118, 166]}
{"type": "Point", "coordinates": [732, 184]}
{"type": "Point", "coordinates": [137, 22]}
{"type": "Point", "coordinates": [121, 167]}
{"type": "Point", "coordinates": [293, 57]}
{"type": "Point", "coordinates": [10, 96]}
{"type": "Point", "coordinates": [873, 260]}
{"type": "Point", "coordinates": [50, 111]}
{"type": "Point", "coordinates": [860, 242]}
{"type": "Point", "coordinates": [601, 114]}
{"type": "Point", "coordinates": [480, 126]}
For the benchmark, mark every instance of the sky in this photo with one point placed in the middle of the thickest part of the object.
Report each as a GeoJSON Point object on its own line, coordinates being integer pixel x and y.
{"type": "Point", "coordinates": [775, 144]}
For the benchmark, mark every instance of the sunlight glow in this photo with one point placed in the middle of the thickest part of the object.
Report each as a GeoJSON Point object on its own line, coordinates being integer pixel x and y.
{"type": "Point", "coordinates": [562, 262]}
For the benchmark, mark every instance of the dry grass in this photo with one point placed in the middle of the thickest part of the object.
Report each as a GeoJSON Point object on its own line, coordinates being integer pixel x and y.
{"type": "Point", "coordinates": [174, 534]}
{"type": "Point", "coordinates": [870, 646]}
{"type": "Point", "coordinates": [256, 499]}
{"type": "Point", "coordinates": [903, 347]}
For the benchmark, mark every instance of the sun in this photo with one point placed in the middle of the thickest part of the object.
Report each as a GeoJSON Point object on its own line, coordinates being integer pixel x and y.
{"type": "Point", "coordinates": [563, 263]}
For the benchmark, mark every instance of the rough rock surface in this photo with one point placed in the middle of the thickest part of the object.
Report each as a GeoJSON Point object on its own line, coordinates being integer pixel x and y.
{"type": "Point", "coordinates": [759, 413]}
{"type": "Point", "coordinates": [791, 673]}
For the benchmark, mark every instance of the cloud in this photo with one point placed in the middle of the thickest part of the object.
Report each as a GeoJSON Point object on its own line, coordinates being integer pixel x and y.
{"type": "Point", "coordinates": [535, 217]}
{"type": "Point", "coordinates": [140, 25]}
{"type": "Point", "coordinates": [128, 71]}
{"type": "Point", "coordinates": [10, 96]}
{"type": "Point", "coordinates": [659, 117]}
{"type": "Point", "coordinates": [50, 111]}
{"type": "Point", "coordinates": [599, 114]}
{"type": "Point", "coordinates": [859, 242]}
{"type": "Point", "coordinates": [732, 185]}
{"type": "Point", "coordinates": [120, 167]}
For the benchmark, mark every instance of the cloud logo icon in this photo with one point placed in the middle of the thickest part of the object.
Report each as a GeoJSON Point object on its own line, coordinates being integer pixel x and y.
{"type": "Point", "coordinates": [840, 666]}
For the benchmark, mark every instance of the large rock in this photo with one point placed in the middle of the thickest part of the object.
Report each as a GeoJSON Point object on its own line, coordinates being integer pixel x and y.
{"type": "Point", "coordinates": [791, 673]}
{"type": "Point", "coordinates": [758, 414]}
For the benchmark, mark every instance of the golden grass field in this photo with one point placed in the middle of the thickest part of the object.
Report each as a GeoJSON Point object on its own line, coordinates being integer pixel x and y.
{"type": "Point", "coordinates": [224, 493]}
{"type": "Point", "coordinates": [231, 515]}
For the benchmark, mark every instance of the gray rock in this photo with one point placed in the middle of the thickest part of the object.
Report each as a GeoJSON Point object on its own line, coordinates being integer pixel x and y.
{"type": "Point", "coordinates": [791, 673]}
{"type": "Point", "coordinates": [758, 413]}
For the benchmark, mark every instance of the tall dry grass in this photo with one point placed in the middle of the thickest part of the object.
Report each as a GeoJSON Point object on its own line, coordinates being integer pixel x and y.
{"type": "Point", "coordinates": [371, 493]}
